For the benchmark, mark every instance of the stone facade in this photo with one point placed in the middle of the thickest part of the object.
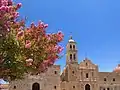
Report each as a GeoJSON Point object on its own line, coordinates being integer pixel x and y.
{"type": "Point", "coordinates": [45, 81]}
{"type": "Point", "coordinates": [83, 76]}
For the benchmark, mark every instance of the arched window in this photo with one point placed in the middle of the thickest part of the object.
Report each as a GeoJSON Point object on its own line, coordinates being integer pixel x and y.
{"type": "Point", "coordinates": [104, 79]}
{"type": "Point", "coordinates": [14, 87]}
{"type": "Point", "coordinates": [86, 75]}
{"type": "Point", "coordinates": [74, 56]}
{"type": "Point", "coordinates": [70, 46]}
{"type": "Point", "coordinates": [55, 72]}
{"type": "Point", "coordinates": [113, 79]}
{"type": "Point", "coordinates": [73, 86]}
{"type": "Point", "coordinates": [73, 72]}
{"type": "Point", "coordinates": [35, 86]}
{"type": "Point", "coordinates": [70, 56]}
{"type": "Point", "coordinates": [73, 46]}
{"type": "Point", "coordinates": [54, 87]}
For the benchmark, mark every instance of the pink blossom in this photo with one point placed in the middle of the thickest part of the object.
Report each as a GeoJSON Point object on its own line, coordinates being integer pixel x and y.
{"type": "Point", "coordinates": [32, 25]}
{"type": "Point", "coordinates": [10, 2]}
{"type": "Point", "coordinates": [60, 49]}
{"type": "Point", "coordinates": [15, 14]}
{"type": "Point", "coordinates": [2, 8]}
{"type": "Point", "coordinates": [9, 8]}
{"type": "Point", "coordinates": [27, 41]}
{"type": "Point", "coordinates": [19, 5]}
{"type": "Point", "coordinates": [60, 36]}
{"type": "Point", "coordinates": [28, 44]}
{"type": "Point", "coordinates": [20, 33]}
{"type": "Point", "coordinates": [46, 25]}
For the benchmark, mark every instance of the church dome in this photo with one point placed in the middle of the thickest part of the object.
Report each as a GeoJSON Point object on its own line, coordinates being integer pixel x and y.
{"type": "Point", "coordinates": [71, 40]}
{"type": "Point", "coordinates": [117, 69]}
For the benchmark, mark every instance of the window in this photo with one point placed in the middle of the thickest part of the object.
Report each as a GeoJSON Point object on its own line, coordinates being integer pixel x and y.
{"type": "Point", "coordinates": [86, 75]}
{"type": "Point", "coordinates": [73, 86]}
{"type": "Point", "coordinates": [113, 79]}
{"type": "Point", "coordinates": [14, 87]}
{"type": "Point", "coordinates": [70, 56]}
{"type": "Point", "coordinates": [92, 74]}
{"type": "Point", "coordinates": [104, 79]}
{"type": "Point", "coordinates": [54, 87]}
{"type": "Point", "coordinates": [108, 88]}
{"type": "Point", "coordinates": [104, 89]}
{"type": "Point", "coordinates": [74, 56]}
{"type": "Point", "coordinates": [70, 46]}
{"type": "Point", "coordinates": [86, 64]}
{"type": "Point", "coordinates": [73, 46]}
{"type": "Point", "coordinates": [55, 72]}
{"type": "Point", "coordinates": [73, 72]}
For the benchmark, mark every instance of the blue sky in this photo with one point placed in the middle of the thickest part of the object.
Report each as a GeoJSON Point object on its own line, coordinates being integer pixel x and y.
{"type": "Point", "coordinates": [95, 26]}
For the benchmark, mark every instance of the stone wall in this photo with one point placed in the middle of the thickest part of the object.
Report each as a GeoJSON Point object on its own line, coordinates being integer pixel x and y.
{"type": "Point", "coordinates": [50, 80]}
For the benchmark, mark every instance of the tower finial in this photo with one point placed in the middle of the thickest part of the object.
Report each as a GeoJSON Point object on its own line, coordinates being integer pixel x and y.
{"type": "Point", "coordinates": [70, 35]}
{"type": "Point", "coordinates": [71, 39]}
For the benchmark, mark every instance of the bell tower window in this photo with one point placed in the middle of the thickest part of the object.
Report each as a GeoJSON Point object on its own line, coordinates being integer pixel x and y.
{"type": "Point", "coordinates": [70, 46]}
{"type": "Point", "coordinates": [70, 56]}
{"type": "Point", "coordinates": [74, 56]}
{"type": "Point", "coordinates": [73, 46]}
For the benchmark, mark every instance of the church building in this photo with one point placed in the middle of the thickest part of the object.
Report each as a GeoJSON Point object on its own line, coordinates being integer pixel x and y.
{"type": "Point", "coordinates": [75, 76]}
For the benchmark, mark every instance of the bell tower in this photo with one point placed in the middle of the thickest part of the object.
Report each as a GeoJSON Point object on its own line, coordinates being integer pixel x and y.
{"type": "Point", "coordinates": [71, 56]}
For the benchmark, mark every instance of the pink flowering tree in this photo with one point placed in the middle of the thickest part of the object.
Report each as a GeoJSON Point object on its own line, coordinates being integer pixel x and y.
{"type": "Point", "coordinates": [24, 50]}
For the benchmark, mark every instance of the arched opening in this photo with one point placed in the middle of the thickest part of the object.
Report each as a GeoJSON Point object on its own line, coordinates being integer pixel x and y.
{"type": "Point", "coordinates": [70, 46]}
{"type": "Point", "coordinates": [70, 56]}
{"type": "Point", "coordinates": [74, 56]}
{"type": "Point", "coordinates": [87, 87]}
{"type": "Point", "coordinates": [73, 46]}
{"type": "Point", "coordinates": [86, 75]}
{"type": "Point", "coordinates": [35, 86]}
